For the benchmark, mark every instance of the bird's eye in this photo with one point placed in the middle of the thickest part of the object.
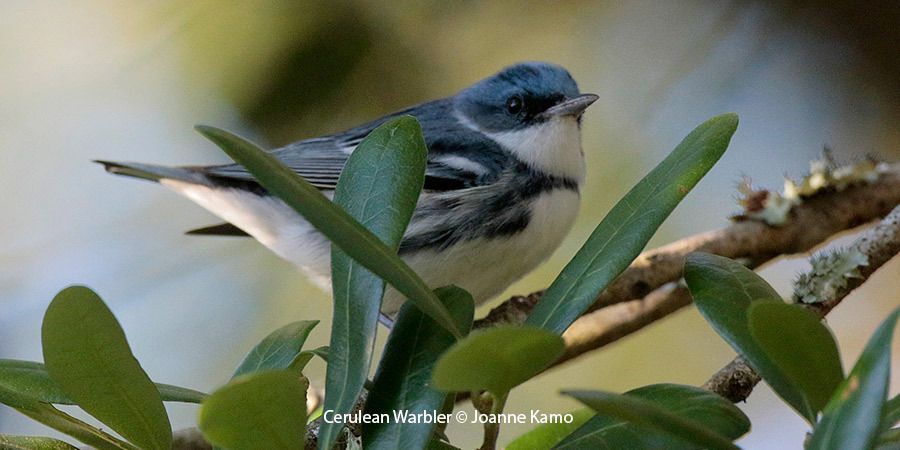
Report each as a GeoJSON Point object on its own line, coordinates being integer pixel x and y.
{"type": "Point", "coordinates": [514, 104]}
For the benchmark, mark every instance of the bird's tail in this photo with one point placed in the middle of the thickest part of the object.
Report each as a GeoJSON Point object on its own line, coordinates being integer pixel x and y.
{"type": "Point", "coordinates": [153, 172]}
{"type": "Point", "coordinates": [156, 174]}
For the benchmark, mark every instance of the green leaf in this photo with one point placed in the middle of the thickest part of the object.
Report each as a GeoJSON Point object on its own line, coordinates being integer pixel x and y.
{"type": "Point", "coordinates": [31, 379]}
{"type": "Point", "coordinates": [547, 435]}
{"type": "Point", "coordinates": [299, 363]}
{"type": "Point", "coordinates": [278, 349]}
{"type": "Point", "coordinates": [624, 232]}
{"type": "Point", "coordinates": [679, 416]}
{"type": "Point", "coordinates": [496, 359]}
{"type": "Point", "coordinates": [403, 381]}
{"type": "Point", "coordinates": [86, 353]}
{"type": "Point", "coordinates": [258, 410]}
{"type": "Point", "coordinates": [889, 440]}
{"type": "Point", "coordinates": [62, 422]}
{"type": "Point", "coordinates": [850, 418]}
{"type": "Point", "coordinates": [891, 414]}
{"type": "Point", "coordinates": [169, 393]}
{"type": "Point", "coordinates": [10, 442]}
{"type": "Point", "coordinates": [795, 340]}
{"type": "Point", "coordinates": [332, 221]}
{"type": "Point", "coordinates": [379, 187]}
{"type": "Point", "coordinates": [723, 291]}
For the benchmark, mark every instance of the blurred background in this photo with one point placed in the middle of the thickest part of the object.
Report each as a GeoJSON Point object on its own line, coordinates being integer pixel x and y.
{"type": "Point", "coordinates": [128, 80]}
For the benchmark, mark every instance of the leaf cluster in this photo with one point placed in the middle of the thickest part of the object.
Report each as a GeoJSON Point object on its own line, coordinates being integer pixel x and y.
{"type": "Point", "coordinates": [797, 355]}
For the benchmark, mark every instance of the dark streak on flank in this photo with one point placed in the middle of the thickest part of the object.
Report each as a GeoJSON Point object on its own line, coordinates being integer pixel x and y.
{"type": "Point", "coordinates": [500, 209]}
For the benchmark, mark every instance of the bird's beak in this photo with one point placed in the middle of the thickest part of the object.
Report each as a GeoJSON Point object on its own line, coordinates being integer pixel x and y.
{"type": "Point", "coordinates": [571, 106]}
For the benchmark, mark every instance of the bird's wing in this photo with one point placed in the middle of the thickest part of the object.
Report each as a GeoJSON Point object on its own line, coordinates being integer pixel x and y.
{"type": "Point", "coordinates": [452, 153]}
{"type": "Point", "coordinates": [318, 160]}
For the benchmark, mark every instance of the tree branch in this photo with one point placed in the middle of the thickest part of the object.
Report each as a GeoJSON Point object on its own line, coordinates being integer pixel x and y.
{"type": "Point", "coordinates": [879, 244]}
{"type": "Point", "coordinates": [647, 290]}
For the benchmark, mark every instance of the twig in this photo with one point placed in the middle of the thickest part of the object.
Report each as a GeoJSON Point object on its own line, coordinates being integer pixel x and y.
{"type": "Point", "coordinates": [735, 381]}
{"type": "Point", "coordinates": [879, 244]}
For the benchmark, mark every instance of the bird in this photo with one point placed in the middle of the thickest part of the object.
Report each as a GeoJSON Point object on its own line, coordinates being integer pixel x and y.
{"type": "Point", "coordinates": [502, 184]}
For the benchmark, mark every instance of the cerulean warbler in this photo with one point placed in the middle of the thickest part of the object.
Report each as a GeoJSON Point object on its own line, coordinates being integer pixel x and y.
{"type": "Point", "coordinates": [501, 191]}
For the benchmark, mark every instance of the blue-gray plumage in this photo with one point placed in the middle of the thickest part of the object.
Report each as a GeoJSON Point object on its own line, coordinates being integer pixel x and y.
{"type": "Point", "coordinates": [501, 188]}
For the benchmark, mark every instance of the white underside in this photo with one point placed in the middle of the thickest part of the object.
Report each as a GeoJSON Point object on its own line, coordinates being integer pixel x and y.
{"type": "Point", "coordinates": [484, 267]}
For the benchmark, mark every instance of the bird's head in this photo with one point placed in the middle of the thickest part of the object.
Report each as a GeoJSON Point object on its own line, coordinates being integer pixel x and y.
{"type": "Point", "coordinates": [522, 95]}
{"type": "Point", "coordinates": [534, 111]}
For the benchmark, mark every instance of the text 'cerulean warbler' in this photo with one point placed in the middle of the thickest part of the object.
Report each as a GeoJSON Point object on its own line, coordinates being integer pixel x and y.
{"type": "Point", "coordinates": [501, 191]}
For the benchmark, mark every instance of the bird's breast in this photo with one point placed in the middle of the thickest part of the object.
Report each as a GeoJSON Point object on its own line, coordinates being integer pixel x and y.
{"type": "Point", "coordinates": [487, 264]}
